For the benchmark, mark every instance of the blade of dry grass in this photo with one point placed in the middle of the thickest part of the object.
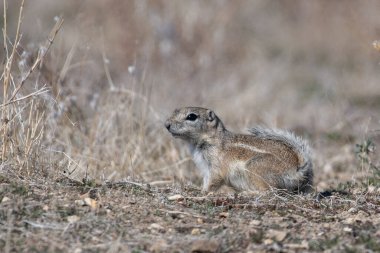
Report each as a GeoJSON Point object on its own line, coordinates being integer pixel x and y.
{"type": "Point", "coordinates": [7, 72]}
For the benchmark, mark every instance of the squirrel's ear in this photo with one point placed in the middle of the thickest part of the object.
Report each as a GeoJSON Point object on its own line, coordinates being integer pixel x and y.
{"type": "Point", "coordinates": [211, 115]}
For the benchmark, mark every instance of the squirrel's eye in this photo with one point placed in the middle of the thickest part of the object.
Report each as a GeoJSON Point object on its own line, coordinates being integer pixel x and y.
{"type": "Point", "coordinates": [191, 117]}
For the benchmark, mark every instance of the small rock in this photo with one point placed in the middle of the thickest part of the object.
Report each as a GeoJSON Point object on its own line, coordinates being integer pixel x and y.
{"type": "Point", "coordinates": [5, 199]}
{"type": "Point", "coordinates": [77, 250]}
{"type": "Point", "coordinates": [177, 197]}
{"type": "Point", "coordinates": [347, 229]}
{"type": "Point", "coordinates": [73, 218]}
{"type": "Point", "coordinates": [195, 231]}
{"type": "Point", "coordinates": [204, 246]}
{"type": "Point", "coordinates": [352, 210]}
{"type": "Point", "coordinates": [45, 208]}
{"type": "Point", "coordinates": [276, 234]}
{"type": "Point", "coordinates": [255, 223]}
{"type": "Point", "coordinates": [200, 221]}
{"type": "Point", "coordinates": [156, 227]}
{"type": "Point", "coordinates": [223, 215]}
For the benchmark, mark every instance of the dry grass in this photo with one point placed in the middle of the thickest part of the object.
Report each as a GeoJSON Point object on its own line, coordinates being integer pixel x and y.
{"type": "Point", "coordinates": [84, 105]}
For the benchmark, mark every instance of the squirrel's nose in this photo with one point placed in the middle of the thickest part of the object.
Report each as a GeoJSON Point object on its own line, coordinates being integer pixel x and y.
{"type": "Point", "coordinates": [167, 125]}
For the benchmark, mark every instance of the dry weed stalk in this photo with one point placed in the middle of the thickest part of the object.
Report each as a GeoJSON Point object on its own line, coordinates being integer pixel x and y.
{"type": "Point", "coordinates": [22, 121]}
{"type": "Point", "coordinates": [7, 73]}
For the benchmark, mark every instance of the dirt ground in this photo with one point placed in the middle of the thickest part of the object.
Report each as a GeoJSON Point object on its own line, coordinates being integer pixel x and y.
{"type": "Point", "coordinates": [68, 216]}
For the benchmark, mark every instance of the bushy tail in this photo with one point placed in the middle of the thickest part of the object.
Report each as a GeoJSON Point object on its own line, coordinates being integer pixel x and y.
{"type": "Point", "coordinates": [299, 145]}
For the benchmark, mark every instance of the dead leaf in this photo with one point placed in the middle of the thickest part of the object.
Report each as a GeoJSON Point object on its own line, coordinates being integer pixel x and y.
{"type": "Point", "coordinates": [268, 241]}
{"type": "Point", "coordinates": [224, 215]}
{"type": "Point", "coordinates": [91, 203]}
{"type": "Point", "coordinates": [196, 231]}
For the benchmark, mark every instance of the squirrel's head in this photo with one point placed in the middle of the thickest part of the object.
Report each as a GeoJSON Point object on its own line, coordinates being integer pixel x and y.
{"type": "Point", "coordinates": [194, 124]}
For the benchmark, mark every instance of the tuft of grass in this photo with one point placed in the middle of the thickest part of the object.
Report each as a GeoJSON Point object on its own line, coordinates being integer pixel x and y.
{"type": "Point", "coordinates": [22, 127]}
{"type": "Point", "coordinates": [321, 245]}
{"type": "Point", "coordinates": [19, 189]}
{"type": "Point", "coordinates": [364, 152]}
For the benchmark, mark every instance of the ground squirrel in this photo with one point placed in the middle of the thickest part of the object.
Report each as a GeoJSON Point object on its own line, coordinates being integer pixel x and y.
{"type": "Point", "coordinates": [262, 160]}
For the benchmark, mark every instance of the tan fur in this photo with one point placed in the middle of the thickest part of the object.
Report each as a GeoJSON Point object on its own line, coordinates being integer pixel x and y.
{"type": "Point", "coordinates": [265, 159]}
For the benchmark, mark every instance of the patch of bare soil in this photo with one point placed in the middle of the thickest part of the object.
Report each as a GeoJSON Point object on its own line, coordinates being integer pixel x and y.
{"type": "Point", "coordinates": [65, 216]}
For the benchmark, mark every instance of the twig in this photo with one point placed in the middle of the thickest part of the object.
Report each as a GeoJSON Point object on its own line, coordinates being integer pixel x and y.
{"type": "Point", "coordinates": [41, 54]}
{"type": "Point", "coordinates": [162, 182]}
{"type": "Point", "coordinates": [105, 64]}
{"type": "Point", "coordinates": [68, 157]}
{"type": "Point", "coordinates": [5, 30]}
{"type": "Point", "coordinates": [38, 92]}
{"type": "Point", "coordinates": [43, 226]}
{"type": "Point", "coordinates": [145, 187]}
{"type": "Point", "coordinates": [183, 213]}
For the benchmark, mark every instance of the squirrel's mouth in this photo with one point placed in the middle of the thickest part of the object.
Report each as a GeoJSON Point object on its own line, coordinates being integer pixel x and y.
{"type": "Point", "coordinates": [178, 135]}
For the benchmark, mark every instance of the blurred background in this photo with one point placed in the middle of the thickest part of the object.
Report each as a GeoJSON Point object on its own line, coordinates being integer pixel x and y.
{"type": "Point", "coordinates": [118, 68]}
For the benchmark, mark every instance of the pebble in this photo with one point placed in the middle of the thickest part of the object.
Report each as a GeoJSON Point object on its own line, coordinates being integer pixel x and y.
{"type": "Point", "coordinates": [255, 223]}
{"type": "Point", "coordinates": [5, 199]}
{"type": "Point", "coordinates": [156, 227]}
{"type": "Point", "coordinates": [347, 229]}
{"type": "Point", "coordinates": [177, 197]}
{"type": "Point", "coordinates": [195, 231]}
